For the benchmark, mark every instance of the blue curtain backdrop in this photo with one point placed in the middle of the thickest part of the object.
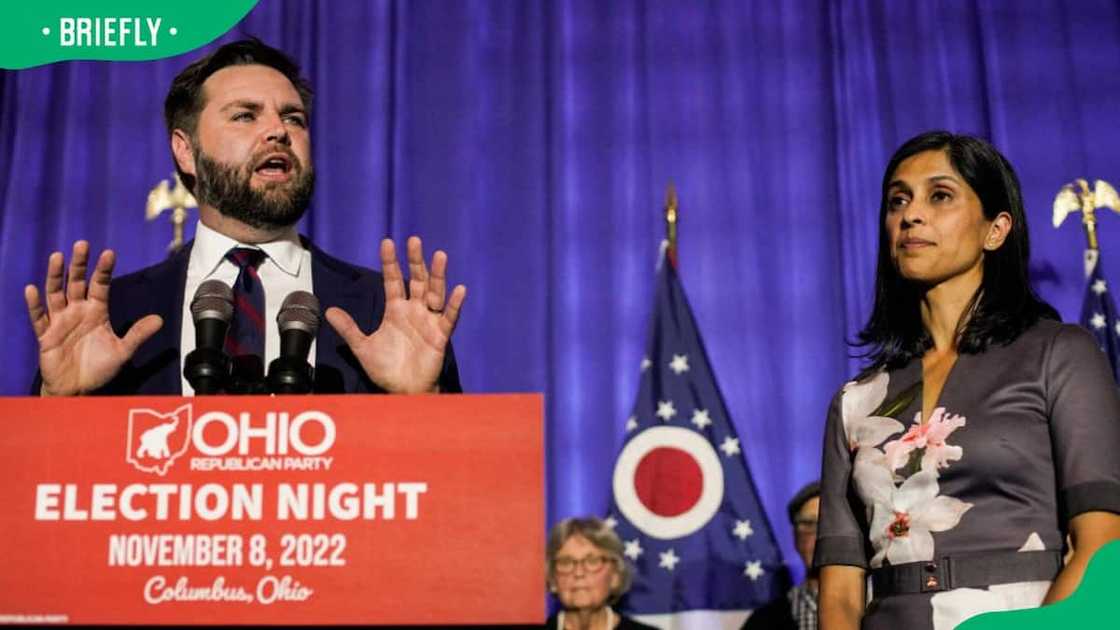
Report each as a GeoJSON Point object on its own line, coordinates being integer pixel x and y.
{"type": "Point", "coordinates": [533, 142]}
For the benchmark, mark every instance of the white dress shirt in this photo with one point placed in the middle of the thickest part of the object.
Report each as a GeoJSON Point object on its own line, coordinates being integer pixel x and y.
{"type": "Point", "coordinates": [286, 268]}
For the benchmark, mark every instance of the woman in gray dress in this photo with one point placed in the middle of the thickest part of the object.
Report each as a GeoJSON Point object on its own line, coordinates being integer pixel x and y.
{"type": "Point", "coordinates": [983, 431]}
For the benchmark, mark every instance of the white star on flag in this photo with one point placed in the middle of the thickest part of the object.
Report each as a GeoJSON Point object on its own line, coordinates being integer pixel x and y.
{"type": "Point", "coordinates": [633, 549]}
{"type": "Point", "coordinates": [743, 529]}
{"type": "Point", "coordinates": [666, 410]}
{"type": "Point", "coordinates": [646, 363]}
{"type": "Point", "coordinates": [611, 522]}
{"type": "Point", "coordinates": [669, 560]}
{"type": "Point", "coordinates": [753, 570]}
{"type": "Point", "coordinates": [730, 446]}
{"type": "Point", "coordinates": [1099, 286]}
{"type": "Point", "coordinates": [700, 418]}
{"type": "Point", "coordinates": [679, 364]}
{"type": "Point", "coordinates": [1098, 321]}
{"type": "Point", "coordinates": [631, 424]}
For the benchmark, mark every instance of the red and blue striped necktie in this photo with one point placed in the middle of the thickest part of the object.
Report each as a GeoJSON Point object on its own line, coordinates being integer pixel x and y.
{"type": "Point", "coordinates": [245, 340]}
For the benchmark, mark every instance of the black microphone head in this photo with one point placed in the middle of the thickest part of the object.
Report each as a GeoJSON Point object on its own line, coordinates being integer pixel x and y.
{"type": "Point", "coordinates": [212, 300]}
{"type": "Point", "coordinates": [299, 311]}
{"type": "Point", "coordinates": [207, 367]}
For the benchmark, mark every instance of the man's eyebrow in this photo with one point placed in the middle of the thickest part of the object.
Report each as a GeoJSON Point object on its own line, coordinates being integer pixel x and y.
{"type": "Point", "coordinates": [292, 108]}
{"type": "Point", "coordinates": [252, 106]}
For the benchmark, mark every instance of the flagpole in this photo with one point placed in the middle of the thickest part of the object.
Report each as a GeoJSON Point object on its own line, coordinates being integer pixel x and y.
{"type": "Point", "coordinates": [671, 210]}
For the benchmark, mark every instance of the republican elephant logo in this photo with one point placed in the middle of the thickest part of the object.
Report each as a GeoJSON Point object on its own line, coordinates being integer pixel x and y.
{"type": "Point", "coordinates": [156, 440]}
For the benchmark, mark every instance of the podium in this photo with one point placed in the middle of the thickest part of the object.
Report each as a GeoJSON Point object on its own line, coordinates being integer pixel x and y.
{"type": "Point", "coordinates": [261, 510]}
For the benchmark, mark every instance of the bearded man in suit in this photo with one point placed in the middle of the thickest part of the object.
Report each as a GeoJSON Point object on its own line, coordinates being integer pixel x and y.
{"type": "Point", "coordinates": [237, 122]}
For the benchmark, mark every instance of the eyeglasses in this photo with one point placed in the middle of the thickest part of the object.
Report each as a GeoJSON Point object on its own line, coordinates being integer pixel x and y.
{"type": "Point", "coordinates": [591, 564]}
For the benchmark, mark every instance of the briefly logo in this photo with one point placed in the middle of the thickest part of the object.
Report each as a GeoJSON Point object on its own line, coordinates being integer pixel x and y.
{"type": "Point", "coordinates": [156, 440]}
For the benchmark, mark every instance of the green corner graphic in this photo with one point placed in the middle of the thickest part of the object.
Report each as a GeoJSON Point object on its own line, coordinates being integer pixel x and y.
{"type": "Point", "coordinates": [37, 33]}
{"type": "Point", "coordinates": [1092, 605]}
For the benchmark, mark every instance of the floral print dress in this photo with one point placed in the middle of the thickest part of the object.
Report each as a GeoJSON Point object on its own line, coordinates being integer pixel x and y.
{"type": "Point", "coordinates": [1024, 437]}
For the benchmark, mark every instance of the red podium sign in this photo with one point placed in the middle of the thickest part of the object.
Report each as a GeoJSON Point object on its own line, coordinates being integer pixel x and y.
{"type": "Point", "coordinates": [292, 509]}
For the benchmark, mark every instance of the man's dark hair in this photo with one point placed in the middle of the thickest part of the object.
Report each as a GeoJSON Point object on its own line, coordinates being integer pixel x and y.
{"type": "Point", "coordinates": [812, 489]}
{"type": "Point", "coordinates": [1003, 307]}
{"type": "Point", "coordinates": [185, 99]}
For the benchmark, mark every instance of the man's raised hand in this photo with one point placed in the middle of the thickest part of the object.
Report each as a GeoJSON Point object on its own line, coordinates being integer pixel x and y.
{"type": "Point", "coordinates": [405, 354]}
{"type": "Point", "coordinates": [78, 350]}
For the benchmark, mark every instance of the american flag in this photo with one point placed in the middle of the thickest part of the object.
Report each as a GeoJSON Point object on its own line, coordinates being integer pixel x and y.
{"type": "Point", "coordinates": [683, 501]}
{"type": "Point", "coordinates": [1098, 312]}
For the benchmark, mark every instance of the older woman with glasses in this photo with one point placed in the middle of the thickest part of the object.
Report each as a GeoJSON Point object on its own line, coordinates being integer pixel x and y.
{"type": "Point", "coordinates": [587, 573]}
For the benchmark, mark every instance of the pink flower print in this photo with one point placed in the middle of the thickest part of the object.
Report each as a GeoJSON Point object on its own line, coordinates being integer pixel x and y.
{"type": "Point", "coordinates": [931, 437]}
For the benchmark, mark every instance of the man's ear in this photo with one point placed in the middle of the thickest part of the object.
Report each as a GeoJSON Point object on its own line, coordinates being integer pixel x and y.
{"type": "Point", "coordinates": [183, 150]}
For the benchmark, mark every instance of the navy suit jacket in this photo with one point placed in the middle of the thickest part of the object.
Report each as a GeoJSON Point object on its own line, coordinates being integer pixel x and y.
{"type": "Point", "coordinates": [155, 368]}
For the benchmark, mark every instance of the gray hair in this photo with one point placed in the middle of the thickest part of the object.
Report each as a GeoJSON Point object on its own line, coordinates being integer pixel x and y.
{"type": "Point", "coordinates": [598, 533]}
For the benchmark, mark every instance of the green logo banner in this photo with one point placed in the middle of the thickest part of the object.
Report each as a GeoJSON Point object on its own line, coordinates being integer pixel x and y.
{"type": "Point", "coordinates": [1092, 605]}
{"type": "Point", "coordinates": [37, 33]}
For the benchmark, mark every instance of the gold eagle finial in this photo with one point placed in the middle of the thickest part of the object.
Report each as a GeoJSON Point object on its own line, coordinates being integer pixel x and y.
{"type": "Point", "coordinates": [177, 199]}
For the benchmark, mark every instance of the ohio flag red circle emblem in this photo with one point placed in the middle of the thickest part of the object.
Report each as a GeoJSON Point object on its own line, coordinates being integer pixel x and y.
{"type": "Point", "coordinates": [668, 482]}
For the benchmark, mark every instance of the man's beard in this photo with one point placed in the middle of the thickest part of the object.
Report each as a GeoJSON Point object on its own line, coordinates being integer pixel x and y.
{"type": "Point", "coordinates": [274, 205]}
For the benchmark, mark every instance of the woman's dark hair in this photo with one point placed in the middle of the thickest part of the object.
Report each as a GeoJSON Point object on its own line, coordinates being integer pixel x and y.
{"type": "Point", "coordinates": [185, 100]}
{"type": "Point", "coordinates": [1003, 307]}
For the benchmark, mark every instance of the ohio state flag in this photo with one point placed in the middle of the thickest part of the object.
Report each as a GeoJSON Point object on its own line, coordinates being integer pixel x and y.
{"type": "Point", "coordinates": [683, 501]}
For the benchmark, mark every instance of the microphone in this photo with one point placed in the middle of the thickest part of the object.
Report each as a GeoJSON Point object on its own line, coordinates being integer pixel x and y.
{"type": "Point", "coordinates": [298, 321]}
{"type": "Point", "coordinates": [207, 367]}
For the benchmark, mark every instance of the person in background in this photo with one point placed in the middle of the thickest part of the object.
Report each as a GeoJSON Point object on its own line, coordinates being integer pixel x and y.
{"type": "Point", "coordinates": [587, 573]}
{"type": "Point", "coordinates": [797, 610]}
